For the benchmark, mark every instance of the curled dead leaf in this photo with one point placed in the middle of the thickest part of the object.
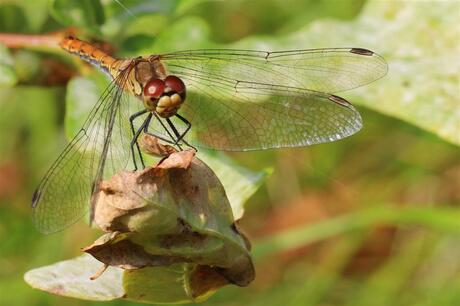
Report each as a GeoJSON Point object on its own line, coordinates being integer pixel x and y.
{"type": "Point", "coordinates": [174, 213]}
{"type": "Point", "coordinates": [152, 146]}
{"type": "Point", "coordinates": [170, 237]}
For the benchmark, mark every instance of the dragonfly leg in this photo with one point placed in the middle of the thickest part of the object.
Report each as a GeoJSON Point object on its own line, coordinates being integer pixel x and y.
{"type": "Point", "coordinates": [131, 121]}
{"type": "Point", "coordinates": [167, 131]}
{"type": "Point", "coordinates": [136, 136]}
{"type": "Point", "coordinates": [146, 131]}
{"type": "Point", "coordinates": [181, 136]}
{"type": "Point", "coordinates": [178, 135]}
{"type": "Point", "coordinates": [189, 125]}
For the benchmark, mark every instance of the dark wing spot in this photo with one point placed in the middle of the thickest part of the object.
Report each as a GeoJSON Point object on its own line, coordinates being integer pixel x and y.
{"type": "Point", "coordinates": [35, 198]}
{"type": "Point", "coordinates": [339, 100]}
{"type": "Point", "coordinates": [361, 51]}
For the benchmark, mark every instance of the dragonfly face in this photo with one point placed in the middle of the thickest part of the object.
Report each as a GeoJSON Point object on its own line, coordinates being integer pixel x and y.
{"type": "Point", "coordinates": [164, 97]}
{"type": "Point", "coordinates": [147, 80]}
{"type": "Point", "coordinates": [237, 100]}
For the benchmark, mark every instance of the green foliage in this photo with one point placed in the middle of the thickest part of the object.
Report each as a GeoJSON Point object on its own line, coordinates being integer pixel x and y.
{"type": "Point", "coordinates": [444, 220]}
{"type": "Point", "coordinates": [81, 96]}
{"type": "Point", "coordinates": [239, 183]}
{"type": "Point", "coordinates": [88, 14]}
{"type": "Point", "coordinates": [72, 278]}
{"type": "Point", "coordinates": [7, 74]}
{"type": "Point", "coordinates": [180, 239]}
{"type": "Point", "coordinates": [21, 16]}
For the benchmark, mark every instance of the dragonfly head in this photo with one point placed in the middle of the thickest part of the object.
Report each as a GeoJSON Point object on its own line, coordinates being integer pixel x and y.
{"type": "Point", "coordinates": [164, 96]}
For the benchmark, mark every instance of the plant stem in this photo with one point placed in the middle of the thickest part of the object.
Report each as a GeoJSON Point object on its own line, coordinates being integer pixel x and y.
{"type": "Point", "coordinates": [51, 40]}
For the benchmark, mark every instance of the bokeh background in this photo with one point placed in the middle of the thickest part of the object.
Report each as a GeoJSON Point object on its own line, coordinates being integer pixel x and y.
{"type": "Point", "coordinates": [370, 220]}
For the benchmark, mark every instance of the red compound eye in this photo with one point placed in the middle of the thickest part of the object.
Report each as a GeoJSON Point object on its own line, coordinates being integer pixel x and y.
{"type": "Point", "coordinates": [175, 84]}
{"type": "Point", "coordinates": [154, 88]}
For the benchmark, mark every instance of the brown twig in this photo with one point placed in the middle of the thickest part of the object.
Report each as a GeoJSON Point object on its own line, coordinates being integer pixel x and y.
{"type": "Point", "coordinates": [51, 40]}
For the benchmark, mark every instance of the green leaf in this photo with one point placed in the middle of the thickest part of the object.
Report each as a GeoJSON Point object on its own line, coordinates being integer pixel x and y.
{"type": "Point", "coordinates": [170, 284]}
{"type": "Point", "coordinates": [187, 33]}
{"type": "Point", "coordinates": [422, 84]}
{"type": "Point", "coordinates": [125, 16]}
{"type": "Point", "coordinates": [239, 183]}
{"type": "Point", "coordinates": [84, 13]}
{"type": "Point", "coordinates": [23, 16]}
{"type": "Point", "coordinates": [82, 94]}
{"type": "Point", "coordinates": [183, 6]}
{"type": "Point", "coordinates": [7, 74]}
{"type": "Point", "coordinates": [72, 278]}
{"type": "Point", "coordinates": [179, 241]}
{"type": "Point", "coordinates": [149, 25]}
{"type": "Point", "coordinates": [140, 34]}
{"type": "Point", "coordinates": [12, 18]}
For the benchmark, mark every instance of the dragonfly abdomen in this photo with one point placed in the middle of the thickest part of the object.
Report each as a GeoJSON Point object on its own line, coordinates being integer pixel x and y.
{"type": "Point", "coordinates": [91, 54]}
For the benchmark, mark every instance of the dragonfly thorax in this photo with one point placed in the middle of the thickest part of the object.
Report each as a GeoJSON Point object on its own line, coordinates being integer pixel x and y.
{"type": "Point", "coordinates": [164, 96]}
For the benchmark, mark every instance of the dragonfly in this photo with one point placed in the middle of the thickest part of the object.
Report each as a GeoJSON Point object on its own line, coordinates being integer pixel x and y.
{"type": "Point", "coordinates": [222, 99]}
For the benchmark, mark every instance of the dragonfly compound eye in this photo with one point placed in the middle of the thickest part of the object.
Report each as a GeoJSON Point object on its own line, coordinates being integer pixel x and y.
{"type": "Point", "coordinates": [175, 84]}
{"type": "Point", "coordinates": [154, 88]}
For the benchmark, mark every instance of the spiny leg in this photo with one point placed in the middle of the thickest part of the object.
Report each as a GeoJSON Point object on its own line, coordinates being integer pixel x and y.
{"type": "Point", "coordinates": [131, 121]}
{"type": "Point", "coordinates": [180, 137]}
{"type": "Point", "coordinates": [189, 125]}
{"type": "Point", "coordinates": [169, 133]}
{"type": "Point", "coordinates": [136, 136]}
{"type": "Point", "coordinates": [146, 131]}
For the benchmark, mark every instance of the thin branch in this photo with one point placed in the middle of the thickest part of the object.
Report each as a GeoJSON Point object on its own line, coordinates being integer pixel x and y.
{"type": "Point", "coordinates": [51, 40]}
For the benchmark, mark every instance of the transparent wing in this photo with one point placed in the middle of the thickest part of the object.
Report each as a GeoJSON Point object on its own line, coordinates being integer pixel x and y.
{"type": "Point", "coordinates": [253, 116]}
{"type": "Point", "coordinates": [99, 149]}
{"type": "Point", "coordinates": [324, 70]}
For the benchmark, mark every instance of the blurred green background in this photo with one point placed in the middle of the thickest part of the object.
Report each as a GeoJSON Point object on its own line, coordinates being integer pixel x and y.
{"type": "Point", "coordinates": [370, 220]}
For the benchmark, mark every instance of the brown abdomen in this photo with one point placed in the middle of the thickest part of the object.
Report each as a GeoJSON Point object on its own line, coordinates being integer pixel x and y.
{"type": "Point", "coordinates": [91, 54]}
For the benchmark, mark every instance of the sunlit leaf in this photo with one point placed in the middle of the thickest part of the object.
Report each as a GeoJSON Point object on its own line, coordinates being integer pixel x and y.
{"type": "Point", "coordinates": [179, 241]}
{"type": "Point", "coordinates": [82, 94]}
{"type": "Point", "coordinates": [8, 76]}
{"type": "Point", "coordinates": [12, 17]}
{"type": "Point", "coordinates": [422, 83]}
{"type": "Point", "coordinates": [72, 278]}
{"type": "Point", "coordinates": [185, 34]}
{"type": "Point", "coordinates": [125, 17]}
{"type": "Point", "coordinates": [184, 5]}
{"type": "Point", "coordinates": [84, 13]}
{"type": "Point", "coordinates": [240, 183]}
{"type": "Point", "coordinates": [149, 25]}
{"type": "Point", "coordinates": [172, 284]}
